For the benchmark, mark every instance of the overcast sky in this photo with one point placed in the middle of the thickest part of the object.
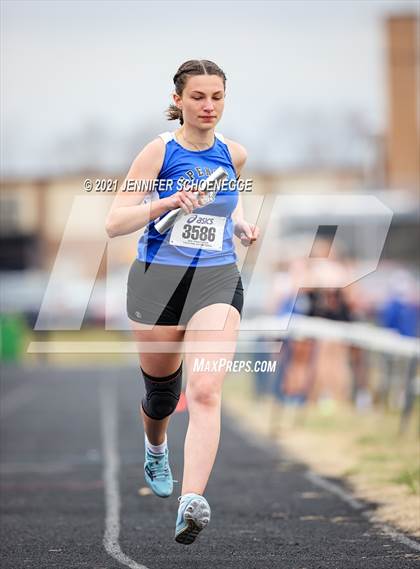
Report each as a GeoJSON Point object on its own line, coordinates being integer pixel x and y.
{"type": "Point", "coordinates": [290, 66]}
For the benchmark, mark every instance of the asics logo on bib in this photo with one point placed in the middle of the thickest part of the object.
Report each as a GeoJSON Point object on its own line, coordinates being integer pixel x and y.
{"type": "Point", "coordinates": [201, 219]}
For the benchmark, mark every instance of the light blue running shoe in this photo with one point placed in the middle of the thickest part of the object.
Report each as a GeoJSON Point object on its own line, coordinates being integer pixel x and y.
{"type": "Point", "coordinates": [193, 516]}
{"type": "Point", "coordinates": [157, 473]}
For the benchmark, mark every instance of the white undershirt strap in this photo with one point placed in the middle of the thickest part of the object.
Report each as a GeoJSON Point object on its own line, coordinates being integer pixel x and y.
{"type": "Point", "coordinates": [220, 137]}
{"type": "Point", "coordinates": [166, 136]}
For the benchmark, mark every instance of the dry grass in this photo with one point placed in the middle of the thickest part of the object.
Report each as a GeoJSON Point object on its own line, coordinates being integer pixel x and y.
{"type": "Point", "coordinates": [335, 440]}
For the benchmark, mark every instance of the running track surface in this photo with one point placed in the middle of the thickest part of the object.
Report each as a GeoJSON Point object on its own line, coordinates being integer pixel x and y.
{"type": "Point", "coordinates": [72, 467]}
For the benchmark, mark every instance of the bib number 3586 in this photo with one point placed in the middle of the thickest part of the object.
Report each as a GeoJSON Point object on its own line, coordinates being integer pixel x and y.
{"type": "Point", "coordinates": [199, 230]}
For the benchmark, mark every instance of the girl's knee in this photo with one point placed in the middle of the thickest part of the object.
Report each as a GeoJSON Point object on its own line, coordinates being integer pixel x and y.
{"type": "Point", "coordinates": [204, 392]}
{"type": "Point", "coordinates": [158, 366]}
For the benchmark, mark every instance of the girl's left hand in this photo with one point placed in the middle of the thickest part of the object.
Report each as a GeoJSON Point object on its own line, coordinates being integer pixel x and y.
{"type": "Point", "coordinates": [248, 233]}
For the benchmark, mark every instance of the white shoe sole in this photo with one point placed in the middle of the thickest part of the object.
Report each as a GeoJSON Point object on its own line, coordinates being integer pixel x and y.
{"type": "Point", "coordinates": [197, 516]}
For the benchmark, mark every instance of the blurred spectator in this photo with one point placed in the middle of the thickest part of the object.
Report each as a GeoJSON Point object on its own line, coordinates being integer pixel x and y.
{"type": "Point", "coordinates": [401, 310]}
{"type": "Point", "coordinates": [311, 370]}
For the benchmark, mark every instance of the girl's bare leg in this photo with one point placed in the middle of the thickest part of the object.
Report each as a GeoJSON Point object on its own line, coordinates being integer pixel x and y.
{"type": "Point", "coordinates": [204, 392]}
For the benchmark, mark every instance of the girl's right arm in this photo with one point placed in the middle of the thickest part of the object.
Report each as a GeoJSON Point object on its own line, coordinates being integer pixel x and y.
{"type": "Point", "coordinates": [128, 213]}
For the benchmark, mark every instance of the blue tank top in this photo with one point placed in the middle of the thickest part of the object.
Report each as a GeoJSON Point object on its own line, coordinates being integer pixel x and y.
{"type": "Point", "coordinates": [214, 245]}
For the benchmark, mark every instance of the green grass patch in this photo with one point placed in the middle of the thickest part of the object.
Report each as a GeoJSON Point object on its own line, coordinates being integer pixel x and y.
{"type": "Point", "coordinates": [376, 457]}
{"type": "Point", "coordinates": [367, 440]}
{"type": "Point", "coordinates": [409, 478]}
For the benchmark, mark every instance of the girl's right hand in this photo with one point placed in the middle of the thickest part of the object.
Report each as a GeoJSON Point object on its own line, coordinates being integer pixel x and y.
{"type": "Point", "coordinates": [184, 199]}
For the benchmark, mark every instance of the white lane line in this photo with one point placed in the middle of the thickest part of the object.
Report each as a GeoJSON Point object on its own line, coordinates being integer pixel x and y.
{"type": "Point", "coordinates": [393, 534]}
{"type": "Point", "coordinates": [368, 514]}
{"type": "Point", "coordinates": [109, 430]}
{"type": "Point", "coordinates": [18, 397]}
{"type": "Point", "coordinates": [333, 489]}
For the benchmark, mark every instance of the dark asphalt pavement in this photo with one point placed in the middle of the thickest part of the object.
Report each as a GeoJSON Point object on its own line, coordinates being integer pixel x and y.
{"type": "Point", "coordinates": [56, 448]}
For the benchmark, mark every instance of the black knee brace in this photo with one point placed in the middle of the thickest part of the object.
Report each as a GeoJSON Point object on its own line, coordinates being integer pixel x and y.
{"type": "Point", "coordinates": [162, 394]}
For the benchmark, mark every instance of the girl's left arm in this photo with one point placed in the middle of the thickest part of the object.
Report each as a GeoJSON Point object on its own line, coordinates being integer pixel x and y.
{"type": "Point", "coordinates": [247, 232]}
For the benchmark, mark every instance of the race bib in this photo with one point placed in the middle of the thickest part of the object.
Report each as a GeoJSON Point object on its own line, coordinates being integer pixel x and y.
{"type": "Point", "coordinates": [199, 230]}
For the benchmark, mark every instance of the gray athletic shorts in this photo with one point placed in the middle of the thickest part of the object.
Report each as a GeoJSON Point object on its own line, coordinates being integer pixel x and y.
{"type": "Point", "coordinates": [169, 295]}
